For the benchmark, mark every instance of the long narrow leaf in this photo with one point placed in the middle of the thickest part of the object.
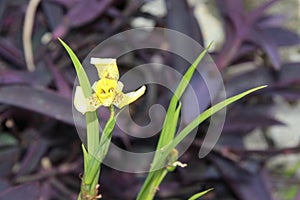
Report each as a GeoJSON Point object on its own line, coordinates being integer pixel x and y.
{"type": "Point", "coordinates": [91, 117]}
{"type": "Point", "coordinates": [151, 185]}
{"type": "Point", "coordinates": [103, 147]}
{"type": "Point", "coordinates": [200, 194]}
{"type": "Point", "coordinates": [202, 117]}
{"type": "Point", "coordinates": [154, 178]}
{"type": "Point", "coordinates": [82, 77]}
{"type": "Point", "coordinates": [162, 155]}
{"type": "Point", "coordinates": [166, 136]}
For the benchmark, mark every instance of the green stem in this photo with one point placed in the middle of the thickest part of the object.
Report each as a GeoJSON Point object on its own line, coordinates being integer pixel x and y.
{"type": "Point", "coordinates": [92, 132]}
{"type": "Point", "coordinates": [92, 161]}
{"type": "Point", "coordinates": [149, 189]}
{"type": "Point", "coordinates": [156, 177]}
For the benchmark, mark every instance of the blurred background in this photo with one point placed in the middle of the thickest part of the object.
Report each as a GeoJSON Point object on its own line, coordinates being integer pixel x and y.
{"type": "Point", "coordinates": [255, 43]}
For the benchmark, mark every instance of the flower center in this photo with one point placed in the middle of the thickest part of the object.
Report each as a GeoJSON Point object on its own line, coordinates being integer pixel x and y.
{"type": "Point", "coordinates": [105, 90]}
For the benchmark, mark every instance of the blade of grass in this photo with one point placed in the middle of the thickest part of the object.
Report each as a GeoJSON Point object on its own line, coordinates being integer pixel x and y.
{"type": "Point", "coordinates": [200, 194]}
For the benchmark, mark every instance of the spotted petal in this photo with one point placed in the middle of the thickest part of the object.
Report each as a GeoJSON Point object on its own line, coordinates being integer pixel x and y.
{"type": "Point", "coordinates": [83, 104]}
{"type": "Point", "coordinates": [122, 99]}
{"type": "Point", "coordinates": [106, 67]}
{"type": "Point", "coordinates": [119, 87]}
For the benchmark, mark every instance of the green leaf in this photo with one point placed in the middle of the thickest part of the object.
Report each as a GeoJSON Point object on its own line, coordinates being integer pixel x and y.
{"type": "Point", "coordinates": [202, 117]}
{"type": "Point", "coordinates": [162, 155]}
{"type": "Point", "coordinates": [166, 135]}
{"type": "Point", "coordinates": [151, 184]}
{"type": "Point", "coordinates": [102, 148]}
{"type": "Point", "coordinates": [200, 194]}
{"type": "Point", "coordinates": [89, 184]}
{"type": "Point", "coordinates": [173, 125]}
{"type": "Point", "coordinates": [82, 77]}
{"type": "Point", "coordinates": [154, 178]}
{"type": "Point", "coordinates": [91, 117]}
{"type": "Point", "coordinates": [86, 158]}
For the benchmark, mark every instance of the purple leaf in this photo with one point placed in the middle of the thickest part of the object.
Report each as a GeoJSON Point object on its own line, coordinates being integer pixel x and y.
{"type": "Point", "coordinates": [181, 18]}
{"type": "Point", "coordinates": [29, 191]}
{"type": "Point", "coordinates": [203, 95]}
{"type": "Point", "coordinates": [53, 12]}
{"type": "Point", "coordinates": [79, 14]}
{"type": "Point", "coordinates": [270, 48]}
{"type": "Point", "coordinates": [289, 72]}
{"type": "Point", "coordinates": [12, 77]}
{"type": "Point", "coordinates": [281, 37]}
{"type": "Point", "coordinates": [245, 49]}
{"type": "Point", "coordinates": [66, 3]}
{"type": "Point", "coordinates": [11, 53]}
{"type": "Point", "coordinates": [243, 123]}
{"type": "Point", "coordinates": [8, 157]}
{"type": "Point", "coordinates": [33, 156]}
{"type": "Point", "coordinates": [42, 101]}
{"type": "Point", "coordinates": [242, 27]}
{"type": "Point", "coordinates": [60, 82]}
{"type": "Point", "coordinates": [47, 192]}
{"type": "Point", "coordinates": [3, 7]}
{"type": "Point", "coordinates": [232, 10]}
{"type": "Point", "coordinates": [288, 92]}
{"type": "Point", "coordinates": [247, 80]}
{"type": "Point", "coordinates": [271, 21]}
{"type": "Point", "coordinates": [249, 181]}
{"type": "Point", "coordinates": [257, 13]}
{"type": "Point", "coordinates": [286, 85]}
{"type": "Point", "coordinates": [86, 11]}
{"type": "Point", "coordinates": [3, 185]}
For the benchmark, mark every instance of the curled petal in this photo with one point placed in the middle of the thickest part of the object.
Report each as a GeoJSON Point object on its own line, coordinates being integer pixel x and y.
{"type": "Point", "coordinates": [122, 99]}
{"type": "Point", "coordinates": [83, 104]}
{"type": "Point", "coordinates": [106, 67]}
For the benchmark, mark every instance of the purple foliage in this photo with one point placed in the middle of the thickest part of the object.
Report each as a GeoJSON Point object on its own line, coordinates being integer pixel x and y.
{"type": "Point", "coordinates": [45, 160]}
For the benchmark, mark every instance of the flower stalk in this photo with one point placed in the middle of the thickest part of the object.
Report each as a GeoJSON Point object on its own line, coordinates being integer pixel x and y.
{"type": "Point", "coordinates": [107, 92]}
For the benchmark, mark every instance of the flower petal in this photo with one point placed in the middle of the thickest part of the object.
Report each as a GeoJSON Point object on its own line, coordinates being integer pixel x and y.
{"type": "Point", "coordinates": [119, 87]}
{"type": "Point", "coordinates": [94, 86]}
{"type": "Point", "coordinates": [122, 99]}
{"type": "Point", "coordinates": [106, 67]}
{"type": "Point", "coordinates": [83, 104]}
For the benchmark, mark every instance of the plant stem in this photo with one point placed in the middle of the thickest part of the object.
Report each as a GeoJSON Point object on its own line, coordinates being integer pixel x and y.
{"type": "Point", "coordinates": [92, 161]}
{"type": "Point", "coordinates": [92, 132]}
{"type": "Point", "coordinates": [149, 190]}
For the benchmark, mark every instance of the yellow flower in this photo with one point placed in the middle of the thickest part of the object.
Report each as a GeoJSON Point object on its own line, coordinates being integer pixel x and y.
{"type": "Point", "coordinates": [107, 90]}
